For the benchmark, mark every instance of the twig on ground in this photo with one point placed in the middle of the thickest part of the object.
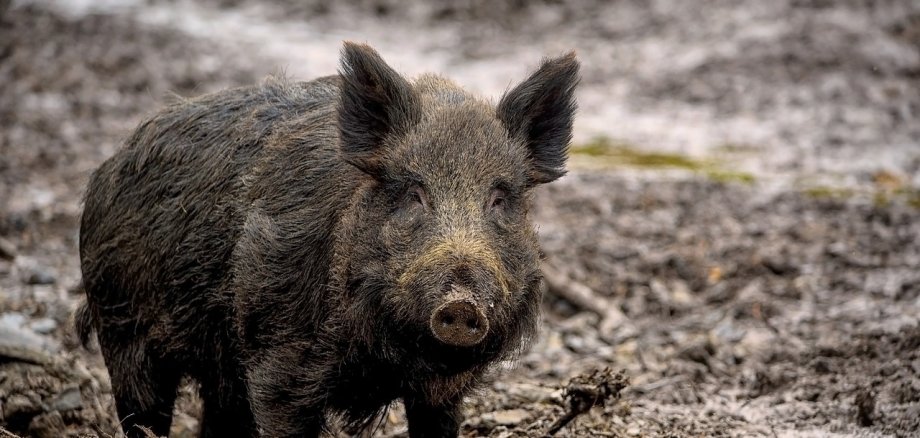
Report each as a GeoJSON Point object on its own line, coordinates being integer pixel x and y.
{"type": "Point", "coordinates": [586, 391]}
{"type": "Point", "coordinates": [7, 434]}
{"type": "Point", "coordinates": [147, 432]}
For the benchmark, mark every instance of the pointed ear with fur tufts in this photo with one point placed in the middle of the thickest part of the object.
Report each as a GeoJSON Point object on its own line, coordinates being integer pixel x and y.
{"type": "Point", "coordinates": [376, 102]}
{"type": "Point", "coordinates": [540, 112]}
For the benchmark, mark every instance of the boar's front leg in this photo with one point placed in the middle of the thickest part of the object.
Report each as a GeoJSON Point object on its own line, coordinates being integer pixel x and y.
{"type": "Point", "coordinates": [284, 402]}
{"type": "Point", "coordinates": [427, 420]}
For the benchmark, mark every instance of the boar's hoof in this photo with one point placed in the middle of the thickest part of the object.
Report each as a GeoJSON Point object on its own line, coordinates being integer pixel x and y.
{"type": "Point", "coordinates": [460, 323]}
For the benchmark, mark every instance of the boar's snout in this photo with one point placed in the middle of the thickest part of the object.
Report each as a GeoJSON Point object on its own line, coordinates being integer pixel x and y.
{"type": "Point", "coordinates": [459, 321]}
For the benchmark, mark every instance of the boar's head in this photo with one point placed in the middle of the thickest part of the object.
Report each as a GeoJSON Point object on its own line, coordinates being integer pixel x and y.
{"type": "Point", "coordinates": [437, 260]}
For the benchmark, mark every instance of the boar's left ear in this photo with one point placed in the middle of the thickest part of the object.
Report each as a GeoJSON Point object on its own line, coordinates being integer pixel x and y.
{"type": "Point", "coordinates": [540, 112]}
{"type": "Point", "coordinates": [376, 102]}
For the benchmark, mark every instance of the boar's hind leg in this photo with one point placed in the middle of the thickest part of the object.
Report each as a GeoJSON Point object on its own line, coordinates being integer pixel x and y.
{"type": "Point", "coordinates": [426, 421]}
{"type": "Point", "coordinates": [144, 387]}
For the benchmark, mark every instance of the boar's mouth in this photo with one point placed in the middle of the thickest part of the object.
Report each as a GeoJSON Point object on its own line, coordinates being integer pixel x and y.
{"type": "Point", "coordinates": [448, 359]}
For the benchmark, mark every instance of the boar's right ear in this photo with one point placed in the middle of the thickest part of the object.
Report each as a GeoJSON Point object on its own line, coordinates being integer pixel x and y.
{"type": "Point", "coordinates": [376, 102]}
{"type": "Point", "coordinates": [540, 112]}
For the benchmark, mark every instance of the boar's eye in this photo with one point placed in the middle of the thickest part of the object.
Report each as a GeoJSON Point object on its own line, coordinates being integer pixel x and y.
{"type": "Point", "coordinates": [416, 196]}
{"type": "Point", "coordinates": [497, 200]}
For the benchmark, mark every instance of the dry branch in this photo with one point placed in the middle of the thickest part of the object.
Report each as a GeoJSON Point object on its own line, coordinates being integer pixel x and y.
{"type": "Point", "coordinates": [585, 298]}
{"type": "Point", "coordinates": [587, 391]}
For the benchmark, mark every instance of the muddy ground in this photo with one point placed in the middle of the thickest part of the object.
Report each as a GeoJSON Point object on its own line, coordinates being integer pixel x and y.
{"type": "Point", "coordinates": [738, 243]}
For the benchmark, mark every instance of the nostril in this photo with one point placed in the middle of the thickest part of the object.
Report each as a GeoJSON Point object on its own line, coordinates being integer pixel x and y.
{"type": "Point", "coordinates": [447, 319]}
{"type": "Point", "coordinates": [472, 324]}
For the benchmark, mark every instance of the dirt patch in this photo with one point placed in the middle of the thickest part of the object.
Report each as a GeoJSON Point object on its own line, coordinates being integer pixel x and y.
{"type": "Point", "coordinates": [53, 400]}
{"type": "Point", "coordinates": [734, 306]}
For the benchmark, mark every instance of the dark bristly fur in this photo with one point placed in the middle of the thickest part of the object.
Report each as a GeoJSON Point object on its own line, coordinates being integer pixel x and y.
{"type": "Point", "coordinates": [286, 244]}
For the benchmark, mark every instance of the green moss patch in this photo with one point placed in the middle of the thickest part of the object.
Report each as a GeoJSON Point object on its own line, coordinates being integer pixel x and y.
{"type": "Point", "coordinates": [605, 152]}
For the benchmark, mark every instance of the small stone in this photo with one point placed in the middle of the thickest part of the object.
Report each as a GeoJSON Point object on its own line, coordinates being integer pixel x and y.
{"type": "Point", "coordinates": [68, 400]}
{"type": "Point", "coordinates": [43, 325]}
{"type": "Point", "coordinates": [728, 331]}
{"type": "Point", "coordinates": [19, 342]}
{"type": "Point", "coordinates": [509, 417]}
{"type": "Point", "coordinates": [576, 343]}
{"type": "Point", "coordinates": [682, 296]}
{"type": "Point", "coordinates": [7, 249]}
{"type": "Point", "coordinates": [12, 319]}
{"type": "Point", "coordinates": [41, 276]}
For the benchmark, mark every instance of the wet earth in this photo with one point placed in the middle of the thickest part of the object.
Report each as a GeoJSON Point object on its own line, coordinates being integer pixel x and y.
{"type": "Point", "coordinates": [735, 253]}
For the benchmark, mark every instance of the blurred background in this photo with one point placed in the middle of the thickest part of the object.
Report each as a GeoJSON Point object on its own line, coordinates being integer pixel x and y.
{"type": "Point", "coordinates": [740, 232]}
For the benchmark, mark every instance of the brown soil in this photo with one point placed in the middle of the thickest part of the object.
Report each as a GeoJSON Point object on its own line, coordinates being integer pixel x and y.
{"type": "Point", "coordinates": [717, 305]}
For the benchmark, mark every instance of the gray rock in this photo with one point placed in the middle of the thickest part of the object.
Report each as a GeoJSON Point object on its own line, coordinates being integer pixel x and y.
{"type": "Point", "coordinates": [41, 276]}
{"type": "Point", "coordinates": [728, 331]}
{"type": "Point", "coordinates": [21, 343]}
{"type": "Point", "coordinates": [12, 319]}
{"type": "Point", "coordinates": [43, 325]}
{"type": "Point", "coordinates": [69, 399]}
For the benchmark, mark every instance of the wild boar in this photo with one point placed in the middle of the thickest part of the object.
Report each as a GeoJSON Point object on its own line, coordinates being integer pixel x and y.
{"type": "Point", "coordinates": [316, 250]}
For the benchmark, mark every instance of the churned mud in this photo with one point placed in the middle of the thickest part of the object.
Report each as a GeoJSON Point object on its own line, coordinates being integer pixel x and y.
{"type": "Point", "coordinates": [736, 252]}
